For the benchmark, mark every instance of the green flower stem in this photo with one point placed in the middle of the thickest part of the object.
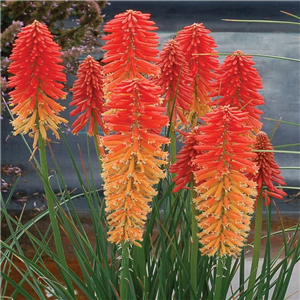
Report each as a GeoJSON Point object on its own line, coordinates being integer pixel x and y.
{"type": "Point", "coordinates": [125, 275]}
{"type": "Point", "coordinates": [242, 274]}
{"type": "Point", "coordinates": [172, 134]}
{"type": "Point", "coordinates": [96, 143]}
{"type": "Point", "coordinates": [97, 146]}
{"type": "Point", "coordinates": [173, 200]}
{"type": "Point", "coordinates": [219, 279]}
{"type": "Point", "coordinates": [52, 214]}
{"type": "Point", "coordinates": [173, 144]}
{"type": "Point", "coordinates": [194, 246]}
{"type": "Point", "coordinates": [256, 248]}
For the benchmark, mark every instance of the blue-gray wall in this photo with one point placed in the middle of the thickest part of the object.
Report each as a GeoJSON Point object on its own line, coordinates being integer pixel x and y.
{"type": "Point", "coordinates": [280, 77]}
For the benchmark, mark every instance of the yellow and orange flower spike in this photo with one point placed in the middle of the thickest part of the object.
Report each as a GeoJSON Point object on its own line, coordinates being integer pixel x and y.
{"type": "Point", "coordinates": [195, 39]}
{"type": "Point", "coordinates": [268, 169]}
{"type": "Point", "coordinates": [225, 195]}
{"type": "Point", "coordinates": [37, 76]}
{"type": "Point", "coordinates": [184, 166]}
{"type": "Point", "coordinates": [130, 47]}
{"type": "Point", "coordinates": [237, 85]}
{"type": "Point", "coordinates": [131, 167]}
{"type": "Point", "coordinates": [88, 97]}
{"type": "Point", "coordinates": [175, 80]}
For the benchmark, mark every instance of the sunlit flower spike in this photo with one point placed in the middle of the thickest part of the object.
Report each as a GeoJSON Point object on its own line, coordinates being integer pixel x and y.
{"type": "Point", "coordinates": [225, 195]}
{"type": "Point", "coordinates": [237, 85]}
{"type": "Point", "coordinates": [88, 97]}
{"type": "Point", "coordinates": [184, 167]}
{"type": "Point", "coordinates": [268, 170]}
{"type": "Point", "coordinates": [37, 82]}
{"type": "Point", "coordinates": [194, 40]}
{"type": "Point", "coordinates": [131, 167]}
{"type": "Point", "coordinates": [130, 46]}
{"type": "Point", "coordinates": [175, 80]}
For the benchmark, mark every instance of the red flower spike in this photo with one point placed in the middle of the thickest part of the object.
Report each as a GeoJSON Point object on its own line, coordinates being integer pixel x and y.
{"type": "Point", "coordinates": [131, 167]}
{"type": "Point", "coordinates": [268, 170]}
{"type": "Point", "coordinates": [37, 73]}
{"type": "Point", "coordinates": [175, 80]}
{"type": "Point", "coordinates": [130, 48]}
{"type": "Point", "coordinates": [237, 85]}
{"type": "Point", "coordinates": [225, 195]}
{"type": "Point", "coordinates": [195, 39]}
{"type": "Point", "coordinates": [184, 166]}
{"type": "Point", "coordinates": [88, 97]}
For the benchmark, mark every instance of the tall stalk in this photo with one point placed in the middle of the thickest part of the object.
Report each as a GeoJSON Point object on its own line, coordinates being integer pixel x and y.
{"type": "Point", "coordinates": [172, 136]}
{"type": "Point", "coordinates": [172, 133]}
{"type": "Point", "coordinates": [125, 275]}
{"type": "Point", "coordinates": [96, 131]}
{"type": "Point", "coordinates": [256, 248]}
{"type": "Point", "coordinates": [52, 214]}
{"type": "Point", "coordinates": [219, 279]}
{"type": "Point", "coordinates": [194, 246]}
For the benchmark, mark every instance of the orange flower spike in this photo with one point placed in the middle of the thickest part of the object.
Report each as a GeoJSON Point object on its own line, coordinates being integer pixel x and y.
{"type": "Point", "coordinates": [184, 166]}
{"type": "Point", "coordinates": [37, 76]}
{"type": "Point", "coordinates": [268, 170]}
{"type": "Point", "coordinates": [131, 167]}
{"type": "Point", "coordinates": [130, 47]}
{"type": "Point", "coordinates": [221, 194]}
{"type": "Point", "coordinates": [88, 97]}
{"type": "Point", "coordinates": [237, 85]}
{"type": "Point", "coordinates": [195, 39]}
{"type": "Point", "coordinates": [175, 80]}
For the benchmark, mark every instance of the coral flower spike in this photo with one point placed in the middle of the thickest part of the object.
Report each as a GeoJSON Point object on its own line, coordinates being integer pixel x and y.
{"type": "Point", "coordinates": [225, 195]}
{"type": "Point", "coordinates": [268, 170]}
{"type": "Point", "coordinates": [175, 80]}
{"type": "Point", "coordinates": [37, 73]}
{"type": "Point", "coordinates": [88, 97]}
{"type": "Point", "coordinates": [130, 48]}
{"type": "Point", "coordinates": [184, 166]}
{"type": "Point", "coordinates": [237, 85]}
{"type": "Point", "coordinates": [195, 40]}
{"type": "Point", "coordinates": [131, 167]}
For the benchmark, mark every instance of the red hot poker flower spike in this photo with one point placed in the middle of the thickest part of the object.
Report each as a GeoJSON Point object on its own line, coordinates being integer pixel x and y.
{"type": "Point", "coordinates": [37, 73]}
{"type": "Point", "coordinates": [225, 195]}
{"type": "Point", "coordinates": [268, 170]}
{"type": "Point", "coordinates": [130, 48]}
{"type": "Point", "coordinates": [131, 167]}
{"type": "Point", "coordinates": [175, 80]}
{"type": "Point", "coordinates": [237, 85]}
{"type": "Point", "coordinates": [184, 166]}
{"type": "Point", "coordinates": [195, 39]}
{"type": "Point", "coordinates": [88, 97]}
